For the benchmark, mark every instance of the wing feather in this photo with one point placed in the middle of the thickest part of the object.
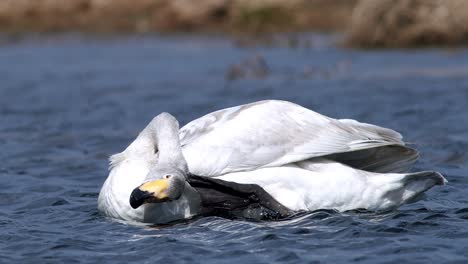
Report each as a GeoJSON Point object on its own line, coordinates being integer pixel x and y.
{"type": "Point", "coordinates": [272, 133]}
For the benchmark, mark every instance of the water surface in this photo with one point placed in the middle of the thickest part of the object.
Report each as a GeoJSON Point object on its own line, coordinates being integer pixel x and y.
{"type": "Point", "coordinates": [67, 103]}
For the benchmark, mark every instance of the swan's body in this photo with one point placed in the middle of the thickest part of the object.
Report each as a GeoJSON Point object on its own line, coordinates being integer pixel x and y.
{"type": "Point", "coordinates": [298, 156]}
{"type": "Point", "coordinates": [325, 184]}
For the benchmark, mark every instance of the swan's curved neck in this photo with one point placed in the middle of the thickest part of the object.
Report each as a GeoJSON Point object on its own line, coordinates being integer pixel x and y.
{"type": "Point", "coordinates": [161, 135]}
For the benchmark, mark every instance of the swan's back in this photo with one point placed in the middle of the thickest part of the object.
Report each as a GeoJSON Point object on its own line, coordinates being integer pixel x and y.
{"type": "Point", "coordinates": [274, 133]}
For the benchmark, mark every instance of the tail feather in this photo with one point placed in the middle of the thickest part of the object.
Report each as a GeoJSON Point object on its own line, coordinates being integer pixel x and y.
{"type": "Point", "coordinates": [433, 176]}
{"type": "Point", "coordinates": [411, 185]}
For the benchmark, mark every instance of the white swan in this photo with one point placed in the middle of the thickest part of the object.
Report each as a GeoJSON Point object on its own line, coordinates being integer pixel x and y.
{"type": "Point", "coordinates": [304, 160]}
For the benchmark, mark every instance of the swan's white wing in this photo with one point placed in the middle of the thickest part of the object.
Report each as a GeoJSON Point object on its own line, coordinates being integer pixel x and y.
{"type": "Point", "coordinates": [272, 133]}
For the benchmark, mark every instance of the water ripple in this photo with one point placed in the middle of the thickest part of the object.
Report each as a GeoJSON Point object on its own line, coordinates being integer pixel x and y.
{"type": "Point", "coordinates": [65, 111]}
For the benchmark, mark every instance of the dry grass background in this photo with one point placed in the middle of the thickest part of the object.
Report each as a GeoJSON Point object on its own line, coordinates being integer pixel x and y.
{"type": "Point", "coordinates": [173, 15]}
{"type": "Point", "coordinates": [408, 23]}
{"type": "Point", "coordinates": [368, 23]}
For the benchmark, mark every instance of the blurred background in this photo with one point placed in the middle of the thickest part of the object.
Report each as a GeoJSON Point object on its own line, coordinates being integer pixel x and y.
{"type": "Point", "coordinates": [367, 23]}
{"type": "Point", "coordinates": [80, 78]}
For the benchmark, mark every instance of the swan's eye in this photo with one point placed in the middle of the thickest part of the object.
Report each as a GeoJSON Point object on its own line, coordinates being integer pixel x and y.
{"type": "Point", "coordinates": [168, 176]}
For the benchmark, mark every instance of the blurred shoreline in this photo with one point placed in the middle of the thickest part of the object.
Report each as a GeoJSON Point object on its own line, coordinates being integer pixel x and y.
{"type": "Point", "coordinates": [365, 23]}
{"type": "Point", "coordinates": [141, 16]}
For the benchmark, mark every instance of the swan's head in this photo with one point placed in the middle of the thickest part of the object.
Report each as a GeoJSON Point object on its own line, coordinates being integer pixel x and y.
{"type": "Point", "coordinates": [161, 185]}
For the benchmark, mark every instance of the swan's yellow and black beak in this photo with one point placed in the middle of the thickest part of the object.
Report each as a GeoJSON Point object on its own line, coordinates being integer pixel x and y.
{"type": "Point", "coordinates": [150, 192]}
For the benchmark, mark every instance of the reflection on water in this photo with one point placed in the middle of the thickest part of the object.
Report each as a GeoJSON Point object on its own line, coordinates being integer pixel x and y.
{"type": "Point", "coordinates": [67, 103]}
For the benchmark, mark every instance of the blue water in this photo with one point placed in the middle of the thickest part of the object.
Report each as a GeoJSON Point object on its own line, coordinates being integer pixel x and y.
{"type": "Point", "coordinates": [68, 102]}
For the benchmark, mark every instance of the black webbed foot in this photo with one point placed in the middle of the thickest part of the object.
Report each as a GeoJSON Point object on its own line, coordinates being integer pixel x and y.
{"type": "Point", "coordinates": [234, 200]}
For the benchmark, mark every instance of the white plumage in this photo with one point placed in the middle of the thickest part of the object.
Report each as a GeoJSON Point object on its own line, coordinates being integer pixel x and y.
{"type": "Point", "coordinates": [303, 159]}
